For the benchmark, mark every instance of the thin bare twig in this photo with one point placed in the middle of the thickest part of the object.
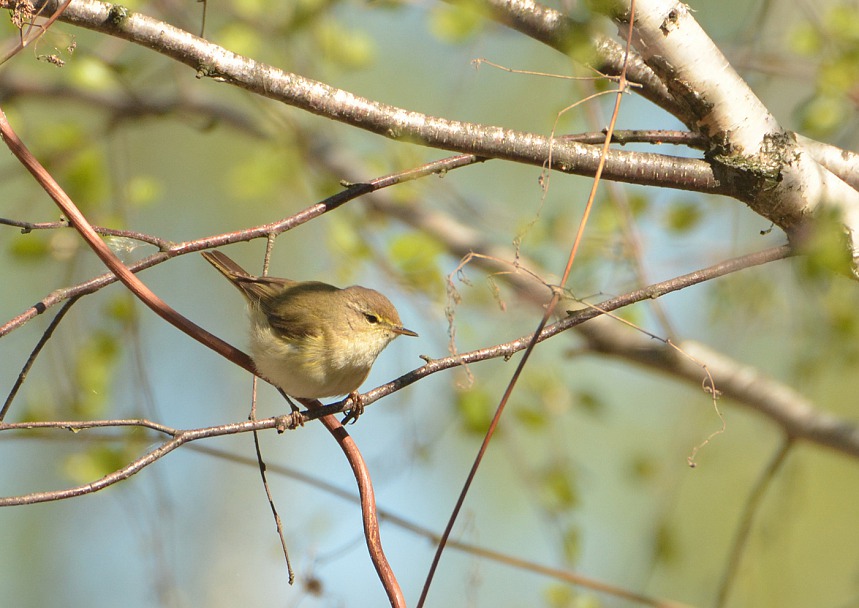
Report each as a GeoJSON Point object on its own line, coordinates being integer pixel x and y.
{"type": "Point", "coordinates": [179, 438]}
{"type": "Point", "coordinates": [33, 355]}
{"type": "Point", "coordinates": [278, 523]}
{"type": "Point", "coordinates": [27, 227]}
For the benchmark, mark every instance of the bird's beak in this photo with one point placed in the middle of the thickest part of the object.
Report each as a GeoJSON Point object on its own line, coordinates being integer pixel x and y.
{"type": "Point", "coordinates": [404, 332]}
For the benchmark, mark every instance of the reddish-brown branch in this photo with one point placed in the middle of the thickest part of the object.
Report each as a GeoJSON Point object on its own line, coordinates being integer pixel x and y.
{"type": "Point", "coordinates": [368, 511]}
{"type": "Point", "coordinates": [82, 225]}
{"type": "Point", "coordinates": [162, 309]}
{"type": "Point", "coordinates": [532, 343]}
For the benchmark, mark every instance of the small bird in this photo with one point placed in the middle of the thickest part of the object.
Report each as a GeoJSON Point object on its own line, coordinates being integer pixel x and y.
{"type": "Point", "coordinates": [309, 338]}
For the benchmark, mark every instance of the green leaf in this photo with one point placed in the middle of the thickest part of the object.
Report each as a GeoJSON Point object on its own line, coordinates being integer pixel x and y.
{"type": "Point", "coordinates": [94, 372]}
{"type": "Point", "coordinates": [345, 242]}
{"type": "Point", "coordinates": [261, 176]}
{"type": "Point", "coordinates": [842, 23]}
{"type": "Point", "coordinates": [590, 402]}
{"type": "Point", "coordinates": [475, 409]}
{"type": "Point", "coordinates": [121, 308]}
{"type": "Point", "coordinates": [532, 417]}
{"type": "Point", "coordinates": [85, 178]}
{"type": "Point", "coordinates": [805, 40]}
{"type": "Point", "coordinates": [455, 24]}
{"type": "Point", "coordinates": [822, 115]}
{"type": "Point", "coordinates": [142, 190]}
{"type": "Point", "coordinates": [825, 248]}
{"type": "Point", "coordinates": [93, 464]}
{"type": "Point", "coordinates": [558, 490]}
{"type": "Point", "coordinates": [416, 256]}
{"type": "Point", "coordinates": [91, 74]}
{"type": "Point", "coordinates": [571, 544]}
{"type": "Point", "coordinates": [349, 49]}
{"type": "Point", "coordinates": [683, 216]}
{"type": "Point", "coordinates": [560, 596]}
{"type": "Point", "coordinates": [643, 468]}
{"type": "Point", "coordinates": [665, 547]}
{"type": "Point", "coordinates": [30, 247]}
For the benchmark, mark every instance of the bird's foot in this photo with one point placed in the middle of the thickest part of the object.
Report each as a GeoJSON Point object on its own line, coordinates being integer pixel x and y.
{"type": "Point", "coordinates": [356, 410]}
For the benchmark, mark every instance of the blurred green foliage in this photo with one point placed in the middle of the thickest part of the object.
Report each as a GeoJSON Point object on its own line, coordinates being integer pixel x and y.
{"type": "Point", "coordinates": [456, 23]}
{"type": "Point", "coordinates": [832, 43]}
{"type": "Point", "coordinates": [474, 408]}
{"type": "Point", "coordinates": [683, 216]}
{"type": "Point", "coordinates": [32, 247]}
{"type": "Point", "coordinates": [417, 258]}
{"type": "Point", "coordinates": [192, 172]}
{"type": "Point", "coordinates": [558, 490]}
{"type": "Point", "coordinates": [571, 543]}
{"type": "Point", "coordinates": [95, 463]}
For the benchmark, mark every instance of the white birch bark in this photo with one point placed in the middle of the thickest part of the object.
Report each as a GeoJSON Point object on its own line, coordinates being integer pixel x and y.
{"type": "Point", "coordinates": [790, 186]}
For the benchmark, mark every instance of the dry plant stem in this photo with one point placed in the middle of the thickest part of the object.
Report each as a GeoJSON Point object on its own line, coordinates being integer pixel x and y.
{"type": "Point", "coordinates": [261, 465]}
{"type": "Point", "coordinates": [532, 343]}
{"type": "Point", "coordinates": [32, 358]}
{"type": "Point", "coordinates": [42, 30]}
{"type": "Point", "coordinates": [161, 308]}
{"type": "Point", "coordinates": [278, 523]}
{"type": "Point", "coordinates": [751, 508]}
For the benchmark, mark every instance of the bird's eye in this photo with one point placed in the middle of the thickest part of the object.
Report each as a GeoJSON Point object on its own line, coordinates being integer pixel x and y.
{"type": "Point", "coordinates": [371, 318]}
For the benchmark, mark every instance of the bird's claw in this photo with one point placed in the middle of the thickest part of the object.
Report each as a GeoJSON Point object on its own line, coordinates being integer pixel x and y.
{"type": "Point", "coordinates": [355, 411]}
{"type": "Point", "coordinates": [289, 422]}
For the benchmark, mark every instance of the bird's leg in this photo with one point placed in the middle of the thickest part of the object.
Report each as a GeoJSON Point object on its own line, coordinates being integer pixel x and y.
{"type": "Point", "coordinates": [291, 403]}
{"type": "Point", "coordinates": [356, 410]}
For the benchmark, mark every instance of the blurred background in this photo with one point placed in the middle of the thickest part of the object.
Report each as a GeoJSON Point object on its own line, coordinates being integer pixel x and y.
{"type": "Point", "coordinates": [589, 470]}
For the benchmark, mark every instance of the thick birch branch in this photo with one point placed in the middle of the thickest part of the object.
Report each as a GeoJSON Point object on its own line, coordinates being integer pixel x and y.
{"type": "Point", "coordinates": [212, 61]}
{"type": "Point", "coordinates": [783, 180]}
